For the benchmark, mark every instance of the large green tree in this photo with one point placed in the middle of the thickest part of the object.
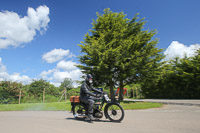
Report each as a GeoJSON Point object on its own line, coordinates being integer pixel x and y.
{"type": "Point", "coordinates": [117, 51]}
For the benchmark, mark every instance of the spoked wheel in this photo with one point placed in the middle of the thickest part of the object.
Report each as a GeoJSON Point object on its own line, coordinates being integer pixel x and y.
{"type": "Point", "coordinates": [79, 111]}
{"type": "Point", "coordinates": [114, 112]}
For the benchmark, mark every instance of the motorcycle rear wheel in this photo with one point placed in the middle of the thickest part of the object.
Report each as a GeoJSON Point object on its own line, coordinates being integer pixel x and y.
{"type": "Point", "coordinates": [79, 111]}
{"type": "Point", "coordinates": [114, 112]}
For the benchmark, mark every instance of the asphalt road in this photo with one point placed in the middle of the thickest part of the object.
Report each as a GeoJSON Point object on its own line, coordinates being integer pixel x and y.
{"type": "Point", "coordinates": [169, 119]}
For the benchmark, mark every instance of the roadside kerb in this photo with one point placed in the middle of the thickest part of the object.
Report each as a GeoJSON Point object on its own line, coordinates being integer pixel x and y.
{"type": "Point", "coordinates": [169, 101]}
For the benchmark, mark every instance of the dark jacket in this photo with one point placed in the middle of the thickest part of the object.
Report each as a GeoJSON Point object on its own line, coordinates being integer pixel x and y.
{"type": "Point", "coordinates": [86, 90]}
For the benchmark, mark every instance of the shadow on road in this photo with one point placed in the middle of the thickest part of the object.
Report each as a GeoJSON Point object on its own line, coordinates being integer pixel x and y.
{"type": "Point", "coordinates": [83, 120]}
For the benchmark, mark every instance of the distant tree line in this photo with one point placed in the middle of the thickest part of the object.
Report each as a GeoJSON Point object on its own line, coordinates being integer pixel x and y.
{"type": "Point", "coordinates": [179, 78]}
{"type": "Point", "coordinates": [35, 91]}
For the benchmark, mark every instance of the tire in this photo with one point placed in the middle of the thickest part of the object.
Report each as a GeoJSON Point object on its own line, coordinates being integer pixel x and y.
{"type": "Point", "coordinates": [79, 111]}
{"type": "Point", "coordinates": [114, 112]}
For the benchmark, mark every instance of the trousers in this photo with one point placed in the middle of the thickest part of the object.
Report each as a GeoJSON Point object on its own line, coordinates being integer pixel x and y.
{"type": "Point", "coordinates": [90, 102]}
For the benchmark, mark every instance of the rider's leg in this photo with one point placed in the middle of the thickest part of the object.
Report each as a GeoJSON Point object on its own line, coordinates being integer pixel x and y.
{"type": "Point", "coordinates": [90, 103]}
{"type": "Point", "coordinates": [90, 109]}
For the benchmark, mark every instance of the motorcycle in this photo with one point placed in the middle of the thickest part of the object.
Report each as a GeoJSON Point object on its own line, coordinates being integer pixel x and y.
{"type": "Point", "coordinates": [112, 110]}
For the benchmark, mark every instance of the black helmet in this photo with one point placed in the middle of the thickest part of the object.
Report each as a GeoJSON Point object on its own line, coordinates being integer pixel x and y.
{"type": "Point", "coordinates": [89, 78]}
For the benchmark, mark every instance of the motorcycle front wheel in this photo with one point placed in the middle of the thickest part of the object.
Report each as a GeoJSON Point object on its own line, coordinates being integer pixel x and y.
{"type": "Point", "coordinates": [114, 112]}
{"type": "Point", "coordinates": [79, 111]}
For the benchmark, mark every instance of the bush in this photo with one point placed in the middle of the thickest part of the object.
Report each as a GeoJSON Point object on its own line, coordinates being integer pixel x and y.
{"type": "Point", "coordinates": [50, 98]}
{"type": "Point", "coordinates": [31, 99]}
{"type": "Point", "coordinates": [73, 92]}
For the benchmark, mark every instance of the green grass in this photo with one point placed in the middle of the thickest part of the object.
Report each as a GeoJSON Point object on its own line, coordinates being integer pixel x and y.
{"type": "Point", "coordinates": [140, 105]}
{"type": "Point", "coordinates": [63, 106]}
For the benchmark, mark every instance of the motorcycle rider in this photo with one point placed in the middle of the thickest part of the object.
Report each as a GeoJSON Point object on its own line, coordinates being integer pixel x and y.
{"type": "Point", "coordinates": [87, 96]}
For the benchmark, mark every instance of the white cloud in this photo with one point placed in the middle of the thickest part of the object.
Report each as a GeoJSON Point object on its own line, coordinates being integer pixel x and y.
{"type": "Point", "coordinates": [63, 69]}
{"type": "Point", "coordinates": [177, 49]}
{"type": "Point", "coordinates": [16, 30]}
{"type": "Point", "coordinates": [3, 71]}
{"type": "Point", "coordinates": [56, 55]}
{"type": "Point", "coordinates": [56, 76]}
{"type": "Point", "coordinates": [44, 74]}
{"type": "Point", "coordinates": [59, 76]}
{"type": "Point", "coordinates": [2, 67]}
{"type": "Point", "coordinates": [66, 65]}
{"type": "Point", "coordinates": [15, 77]}
{"type": "Point", "coordinates": [55, 84]}
{"type": "Point", "coordinates": [38, 19]}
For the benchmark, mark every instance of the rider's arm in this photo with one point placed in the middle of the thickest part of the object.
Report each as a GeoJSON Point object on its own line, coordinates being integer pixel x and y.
{"type": "Point", "coordinates": [96, 90]}
{"type": "Point", "coordinates": [85, 89]}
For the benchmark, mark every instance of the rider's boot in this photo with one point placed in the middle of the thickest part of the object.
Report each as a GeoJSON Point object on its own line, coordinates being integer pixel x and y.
{"type": "Point", "coordinates": [90, 118]}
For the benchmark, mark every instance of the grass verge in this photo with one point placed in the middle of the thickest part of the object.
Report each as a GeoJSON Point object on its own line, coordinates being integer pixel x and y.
{"type": "Point", "coordinates": [140, 105]}
{"type": "Point", "coordinates": [66, 106]}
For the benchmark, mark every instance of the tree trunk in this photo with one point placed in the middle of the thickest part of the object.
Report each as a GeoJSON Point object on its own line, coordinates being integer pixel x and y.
{"type": "Point", "coordinates": [111, 91]}
{"type": "Point", "coordinates": [131, 93]}
{"type": "Point", "coordinates": [121, 86]}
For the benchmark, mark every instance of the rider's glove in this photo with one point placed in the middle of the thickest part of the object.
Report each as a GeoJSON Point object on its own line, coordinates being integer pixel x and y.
{"type": "Point", "coordinates": [98, 95]}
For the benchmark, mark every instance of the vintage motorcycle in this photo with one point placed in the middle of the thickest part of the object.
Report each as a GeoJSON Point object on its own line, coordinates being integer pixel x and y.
{"type": "Point", "coordinates": [112, 110]}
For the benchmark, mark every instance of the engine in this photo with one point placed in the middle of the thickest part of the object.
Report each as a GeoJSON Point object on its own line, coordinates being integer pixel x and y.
{"type": "Point", "coordinates": [98, 113]}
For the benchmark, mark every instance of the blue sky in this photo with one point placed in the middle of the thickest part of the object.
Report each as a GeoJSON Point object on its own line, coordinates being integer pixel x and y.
{"type": "Point", "coordinates": [39, 38]}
